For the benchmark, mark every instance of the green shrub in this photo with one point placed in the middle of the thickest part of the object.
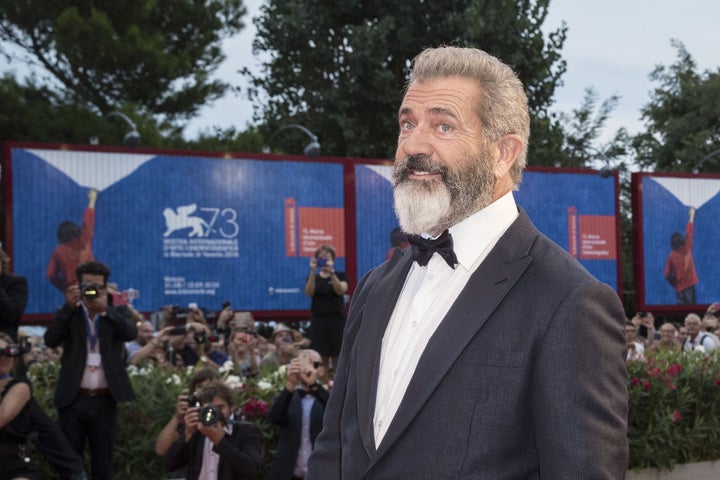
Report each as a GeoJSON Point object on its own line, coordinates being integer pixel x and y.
{"type": "Point", "coordinates": [139, 422]}
{"type": "Point", "coordinates": [674, 409]}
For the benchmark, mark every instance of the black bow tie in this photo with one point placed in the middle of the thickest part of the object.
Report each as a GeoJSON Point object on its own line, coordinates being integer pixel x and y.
{"type": "Point", "coordinates": [302, 392]}
{"type": "Point", "coordinates": [423, 248]}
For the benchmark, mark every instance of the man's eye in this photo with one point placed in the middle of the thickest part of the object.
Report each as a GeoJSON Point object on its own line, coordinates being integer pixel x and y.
{"type": "Point", "coordinates": [445, 128]}
{"type": "Point", "coordinates": [406, 125]}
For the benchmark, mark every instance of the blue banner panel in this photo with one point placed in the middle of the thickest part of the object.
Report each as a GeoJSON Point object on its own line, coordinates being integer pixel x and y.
{"type": "Point", "coordinates": [679, 254]}
{"type": "Point", "coordinates": [375, 217]}
{"type": "Point", "coordinates": [178, 229]}
{"type": "Point", "coordinates": [577, 210]}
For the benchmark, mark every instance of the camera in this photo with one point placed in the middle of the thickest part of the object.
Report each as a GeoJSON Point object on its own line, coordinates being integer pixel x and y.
{"type": "Point", "coordinates": [225, 304]}
{"type": "Point", "coordinates": [321, 262]}
{"type": "Point", "coordinates": [13, 350]}
{"type": "Point", "coordinates": [193, 401]}
{"type": "Point", "coordinates": [642, 314]}
{"type": "Point", "coordinates": [180, 330]}
{"type": "Point", "coordinates": [91, 291]}
{"type": "Point", "coordinates": [209, 414]}
{"type": "Point", "coordinates": [201, 337]}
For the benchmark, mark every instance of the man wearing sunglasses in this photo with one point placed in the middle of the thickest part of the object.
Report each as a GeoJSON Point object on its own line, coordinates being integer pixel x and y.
{"type": "Point", "coordinates": [298, 412]}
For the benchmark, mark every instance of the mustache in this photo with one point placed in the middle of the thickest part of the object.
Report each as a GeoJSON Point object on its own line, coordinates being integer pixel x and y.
{"type": "Point", "coordinates": [424, 163]}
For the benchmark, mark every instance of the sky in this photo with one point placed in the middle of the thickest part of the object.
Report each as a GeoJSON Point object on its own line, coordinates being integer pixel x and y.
{"type": "Point", "coordinates": [611, 45]}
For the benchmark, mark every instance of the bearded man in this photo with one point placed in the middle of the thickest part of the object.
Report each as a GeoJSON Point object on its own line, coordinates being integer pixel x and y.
{"type": "Point", "coordinates": [485, 351]}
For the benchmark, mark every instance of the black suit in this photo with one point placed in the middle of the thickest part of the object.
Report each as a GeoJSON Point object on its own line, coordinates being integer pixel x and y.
{"type": "Point", "coordinates": [523, 379]}
{"type": "Point", "coordinates": [286, 413]}
{"type": "Point", "coordinates": [13, 300]}
{"type": "Point", "coordinates": [80, 415]}
{"type": "Point", "coordinates": [240, 453]}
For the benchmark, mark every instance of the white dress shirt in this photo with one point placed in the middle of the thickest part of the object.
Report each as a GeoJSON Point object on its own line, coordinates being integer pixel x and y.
{"type": "Point", "coordinates": [426, 297]}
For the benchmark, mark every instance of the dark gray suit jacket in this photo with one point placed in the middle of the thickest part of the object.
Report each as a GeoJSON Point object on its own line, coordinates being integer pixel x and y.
{"type": "Point", "coordinates": [68, 329]}
{"type": "Point", "coordinates": [524, 379]}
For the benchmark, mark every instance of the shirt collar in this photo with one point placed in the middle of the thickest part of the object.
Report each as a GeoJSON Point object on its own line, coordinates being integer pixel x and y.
{"type": "Point", "coordinates": [472, 236]}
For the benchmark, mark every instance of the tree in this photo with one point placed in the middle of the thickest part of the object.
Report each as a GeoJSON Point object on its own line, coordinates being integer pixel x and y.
{"type": "Point", "coordinates": [582, 128]}
{"type": "Point", "coordinates": [32, 113]}
{"type": "Point", "coordinates": [156, 55]}
{"type": "Point", "coordinates": [682, 118]}
{"type": "Point", "coordinates": [340, 71]}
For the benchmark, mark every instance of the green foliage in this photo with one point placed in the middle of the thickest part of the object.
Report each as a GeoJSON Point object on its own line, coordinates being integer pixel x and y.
{"type": "Point", "coordinates": [681, 118]}
{"type": "Point", "coordinates": [340, 71]}
{"type": "Point", "coordinates": [139, 422]}
{"type": "Point", "coordinates": [155, 54]}
{"type": "Point", "coordinates": [674, 409]}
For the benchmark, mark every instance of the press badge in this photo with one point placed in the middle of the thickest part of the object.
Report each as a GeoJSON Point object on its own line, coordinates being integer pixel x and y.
{"type": "Point", "coordinates": [93, 360]}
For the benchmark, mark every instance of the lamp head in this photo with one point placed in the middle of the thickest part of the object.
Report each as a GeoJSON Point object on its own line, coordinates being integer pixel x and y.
{"type": "Point", "coordinates": [132, 139]}
{"type": "Point", "coordinates": [312, 149]}
{"type": "Point", "coordinates": [606, 171]}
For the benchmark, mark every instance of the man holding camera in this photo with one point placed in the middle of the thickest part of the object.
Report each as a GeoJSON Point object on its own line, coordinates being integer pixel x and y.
{"type": "Point", "coordinates": [298, 412]}
{"type": "Point", "coordinates": [216, 445]}
{"type": "Point", "coordinates": [92, 377]}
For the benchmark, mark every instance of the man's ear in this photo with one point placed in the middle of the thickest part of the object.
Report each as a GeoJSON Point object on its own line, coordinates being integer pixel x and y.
{"type": "Point", "coordinates": [509, 149]}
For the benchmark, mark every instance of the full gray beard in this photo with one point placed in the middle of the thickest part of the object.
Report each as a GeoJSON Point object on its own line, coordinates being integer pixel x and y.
{"type": "Point", "coordinates": [431, 206]}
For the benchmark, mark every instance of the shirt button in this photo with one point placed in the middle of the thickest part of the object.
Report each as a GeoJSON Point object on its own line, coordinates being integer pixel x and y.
{"type": "Point", "coordinates": [395, 372]}
{"type": "Point", "coordinates": [379, 424]}
{"type": "Point", "coordinates": [414, 323]}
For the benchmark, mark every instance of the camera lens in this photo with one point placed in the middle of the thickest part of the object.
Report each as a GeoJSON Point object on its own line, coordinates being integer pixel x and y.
{"type": "Point", "coordinates": [209, 414]}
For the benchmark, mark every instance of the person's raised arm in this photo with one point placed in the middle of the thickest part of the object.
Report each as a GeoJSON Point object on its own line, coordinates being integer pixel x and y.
{"type": "Point", "coordinates": [310, 283]}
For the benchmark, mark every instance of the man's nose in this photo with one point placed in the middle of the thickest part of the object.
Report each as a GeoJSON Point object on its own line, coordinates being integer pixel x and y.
{"type": "Point", "coordinates": [416, 142]}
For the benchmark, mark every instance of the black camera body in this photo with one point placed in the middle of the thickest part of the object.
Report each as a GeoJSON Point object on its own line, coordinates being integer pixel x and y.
{"type": "Point", "coordinates": [193, 401]}
{"type": "Point", "coordinates": [179, 330]}
{"type": "Point", "coordinates": [91, 291]}
{"type": "Point", "coordinates": [209, 414]}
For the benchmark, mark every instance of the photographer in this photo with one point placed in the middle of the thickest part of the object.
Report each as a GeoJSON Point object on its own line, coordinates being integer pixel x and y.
{"type": "Point", "coordinates": [215, 444]}
{"type": "Point", "coordinates": [93, 378]}
{"type": "Point", "coordinates": [186, 346]}
{"type": "Point", "coordinates": [14, 416]}
{"type": "Point", "coordinates": [298, 412]}
{"type": "Point", "coordinates": [13, 297]}
{"type": "Point", "coordinates": [645, 324]}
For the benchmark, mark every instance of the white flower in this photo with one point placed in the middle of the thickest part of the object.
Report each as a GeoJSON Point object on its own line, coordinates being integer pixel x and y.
{"type": "Point", "coordinates": [700, 349]}
{"type": "Point", "coordinates": [233, 381]}
{"type": "Point", "coordinates": [228, 366]}
{"type": "Point", "coordinates": [264, 385]}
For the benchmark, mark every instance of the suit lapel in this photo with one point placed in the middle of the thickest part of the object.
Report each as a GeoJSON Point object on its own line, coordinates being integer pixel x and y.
{"type": "Point", "coordinates": [484, 291]}
{"type": "Point", "coordinates": [375, 317]}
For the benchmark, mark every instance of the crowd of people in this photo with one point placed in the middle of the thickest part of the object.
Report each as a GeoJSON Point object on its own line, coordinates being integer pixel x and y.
{"type": "Point", "coordinates": [95, 342]}
{"type": "Point", "coordinates": [696, 333]}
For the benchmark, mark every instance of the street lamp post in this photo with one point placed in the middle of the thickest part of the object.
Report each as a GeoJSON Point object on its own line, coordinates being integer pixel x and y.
{"type": "Point", "coordinates": [312, 149]}
{"type": "Point", "coordinates": [696, 168]}
{"type": "Point", "coordinates": [606, 169]}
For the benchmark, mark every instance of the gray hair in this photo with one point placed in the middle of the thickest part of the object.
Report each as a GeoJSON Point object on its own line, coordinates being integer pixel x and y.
{"type": "Point", "coordinates": [503, 106]}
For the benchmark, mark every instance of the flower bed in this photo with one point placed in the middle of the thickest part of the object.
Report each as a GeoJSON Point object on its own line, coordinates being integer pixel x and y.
{"type": "Point", "coordinates": [139, 422]}
{"type": "Point", "coordinates": [674, 411]}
